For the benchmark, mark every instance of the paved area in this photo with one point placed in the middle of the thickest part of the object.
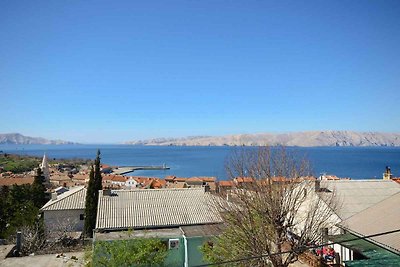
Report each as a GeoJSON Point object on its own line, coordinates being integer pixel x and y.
{"type": "Point", "coordinates": [4, 250]}
{"type": "Point", "coordinates": [49, 260]}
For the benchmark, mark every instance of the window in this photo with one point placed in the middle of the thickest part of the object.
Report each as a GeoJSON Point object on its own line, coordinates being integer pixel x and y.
{"type": "Point", "coordinates": [81, 217]}
{"type": "Point", "coordinates": [173, 244]}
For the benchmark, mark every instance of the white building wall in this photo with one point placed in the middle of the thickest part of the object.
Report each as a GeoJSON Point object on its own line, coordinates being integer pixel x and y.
{"type": "Point", "coordinates": [131, 183]}
{"type": "Point", "coordinates": [64, 220]}
{"type": "Point", "coordinates": [345, 253]}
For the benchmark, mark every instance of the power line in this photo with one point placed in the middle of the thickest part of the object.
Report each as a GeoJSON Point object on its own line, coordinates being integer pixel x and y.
{"type": "Point", "coordinates": [305, 248]}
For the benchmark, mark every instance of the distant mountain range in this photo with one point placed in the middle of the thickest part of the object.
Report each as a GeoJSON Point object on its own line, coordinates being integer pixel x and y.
{"type": "Point", "coordinates": [19, 139]}
{"type": "Point", "coordinates": [303, 139]}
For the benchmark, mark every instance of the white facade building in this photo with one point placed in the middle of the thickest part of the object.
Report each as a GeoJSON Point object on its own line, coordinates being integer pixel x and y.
{"type": "Point", "coordinates": [65, 212]}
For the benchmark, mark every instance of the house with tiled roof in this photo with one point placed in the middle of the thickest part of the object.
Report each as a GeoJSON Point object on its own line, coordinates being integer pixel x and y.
{"type": "Point", "coordinates": [10, 181]}
{"type": "Point", "coordinates": [183, 218]}
{"type": "Point", "coordinates": [191, 182]}
{"type": "Point", "coordinates": [65, 212]}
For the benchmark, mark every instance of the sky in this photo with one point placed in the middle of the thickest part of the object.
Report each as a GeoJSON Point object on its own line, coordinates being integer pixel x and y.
{"type": "Point", "coordinates": [114, 71]}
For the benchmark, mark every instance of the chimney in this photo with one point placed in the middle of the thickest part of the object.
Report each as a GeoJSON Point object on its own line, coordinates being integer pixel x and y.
{"type": "Point", "coordinates": [18, 242]}
{"type": "Point", "coordinates": [317, 185]}
{"type": "Point", "coordinates": [206, 188]}
{"type": "Point", "coordinates": [387, 175]}
{"type": "Point", "coordinates": [53, 196]}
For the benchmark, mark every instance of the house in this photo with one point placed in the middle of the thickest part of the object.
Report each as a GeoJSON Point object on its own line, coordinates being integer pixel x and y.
{"type": "Point", "coordinates": [149, 182]}
{"type": "Point", "coordinates": [225, 185]}
{"type": "Point", "coordinates": [80, 179]}
{"type": "Point", "coordinates": [191, 182]}
{"type": "Point", "coordinates": [194, 182]}
{"type": "Point", "coordinates": [380, 218]}
{"type": "Point", "coordinates": [180, 217]}
{"type": "Point", "coordinates": [65, 212]}
{"type": "Point", "coordinates": [60, 179]}
{"type": "Point", "coordinates": [114, 180]}
{"type": "Point", "coordinates": [131, 183]}
{"type": "Point", "coordinates": [352, 198]}
{"type": "Point", "coordinates": [241, 181]}
{"type": "Point", "coordinates": [104, 168]}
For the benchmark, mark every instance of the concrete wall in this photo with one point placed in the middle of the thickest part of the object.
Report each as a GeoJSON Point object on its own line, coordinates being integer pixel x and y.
{"type": "Point", "coordinates": [68, 220]}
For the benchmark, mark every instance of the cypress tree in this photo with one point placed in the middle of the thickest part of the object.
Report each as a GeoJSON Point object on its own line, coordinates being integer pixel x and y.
{"type": "Point", "coordinates": [89, 206]}
{"type": "Point", "coordinates": [92, 197]}
{"type": "Point", "coordinates": [39, 189]}
{"type": "Point", "coordinates": [97, 174]}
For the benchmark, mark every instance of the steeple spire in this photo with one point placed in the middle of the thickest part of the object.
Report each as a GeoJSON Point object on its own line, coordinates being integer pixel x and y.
{"type": "Point", "coordinates": [45, 168]}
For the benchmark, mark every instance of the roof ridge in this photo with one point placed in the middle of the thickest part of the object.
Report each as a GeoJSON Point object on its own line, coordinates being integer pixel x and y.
{"type": "Point", "coordinates": [63, 197]}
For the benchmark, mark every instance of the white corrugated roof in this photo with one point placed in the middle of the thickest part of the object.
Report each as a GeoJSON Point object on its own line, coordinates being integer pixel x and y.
{"type": "Point", "coordinates": [382, 217]}
{"type": "Point", "coordinates": [74, 199]}
{"type": "Point", "coordinates": [354, 196]}
{"type": "Point", "coordinates": [154, 208]}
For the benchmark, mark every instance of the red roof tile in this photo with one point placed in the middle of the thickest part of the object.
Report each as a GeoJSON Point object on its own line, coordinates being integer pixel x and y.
{"type": "Point", "coordinates": [226, 183]}
{"type": "Point", "coordinates": [17, 181]}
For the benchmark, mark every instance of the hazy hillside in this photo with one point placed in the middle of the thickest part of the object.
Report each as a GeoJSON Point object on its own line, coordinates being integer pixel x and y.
{"type": "Point", "coordinates": [306, 139]}
{"type": "Point", "coordinates": [19, 139]}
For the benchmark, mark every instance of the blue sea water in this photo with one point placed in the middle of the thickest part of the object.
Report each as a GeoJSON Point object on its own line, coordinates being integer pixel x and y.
{"type": "Point", "coordinates": [353, 162]}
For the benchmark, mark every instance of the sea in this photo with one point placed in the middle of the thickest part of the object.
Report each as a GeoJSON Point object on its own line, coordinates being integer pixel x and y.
{"type": "Point", "coordinates": [189, 161]}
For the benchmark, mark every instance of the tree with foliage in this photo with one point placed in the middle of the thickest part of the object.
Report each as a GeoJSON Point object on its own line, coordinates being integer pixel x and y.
{"type": "Point", "coordinates": [92, 196]}
{"type": "Point", "coordinates": [20, 204]}
{"type": "Point", "coordinates": [39, 189]}
{"type": "Point", "coordinates": [19, 209]}
{"type": "Point", "coordinates": [264, 216]}
{"type": "Point", "coordinates": [4, 210]}
{"type": "Point", "coordinates": [98, 181]}
{"type": "Point", "coordinates": [132, 252]}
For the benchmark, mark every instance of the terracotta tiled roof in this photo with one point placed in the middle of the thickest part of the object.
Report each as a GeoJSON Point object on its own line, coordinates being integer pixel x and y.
{"type": "Point", "coordinates": [114, 178]}
{"type": "Point", "coordinates": [180, 179]}
{"type": "Point", "coordinates": [194, 180]}
{"type": "Point", "coordinates": [244, 180]}
{"type": "Point", "coordinates": [226, 183]}
{"type": "Point", "coordinates": [80, 177]}
{"type": "Point", "coordinates": [59, 178]}
{"type": "Point", "coordinates": [396, 179]}
{"type": "Point", "coordinates": [17, 181]}
{"type": "Point", "coordinates": [119, 178]}
{"type": "Point", "coordinates": [170, 178]}
{"type": "Point", "coordinates": [208, 179]}
{"type": "Point", "coordinates": [158, 183]}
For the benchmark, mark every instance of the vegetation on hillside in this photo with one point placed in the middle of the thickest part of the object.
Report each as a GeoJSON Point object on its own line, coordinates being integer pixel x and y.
{"type": "Point", "coordinates": [17, 163]}
{"type": "Point", "coordinates": [23, 163]}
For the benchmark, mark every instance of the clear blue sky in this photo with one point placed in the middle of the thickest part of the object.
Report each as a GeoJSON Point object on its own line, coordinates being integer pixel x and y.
{"type": "Point", "coordinates": [112, 71]}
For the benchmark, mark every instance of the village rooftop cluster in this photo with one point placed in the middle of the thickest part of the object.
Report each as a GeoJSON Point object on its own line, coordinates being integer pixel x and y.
{"type": "Point", "coordinates": [181, 212]}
